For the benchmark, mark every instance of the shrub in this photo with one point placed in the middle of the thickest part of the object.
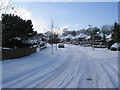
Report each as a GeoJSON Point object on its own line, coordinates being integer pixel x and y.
{"type": "Point", "coordinates": [113, 49]}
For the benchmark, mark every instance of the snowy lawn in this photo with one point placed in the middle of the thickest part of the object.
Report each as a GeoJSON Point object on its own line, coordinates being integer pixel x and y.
{"type": "Point", "coordinates": [69, 67]}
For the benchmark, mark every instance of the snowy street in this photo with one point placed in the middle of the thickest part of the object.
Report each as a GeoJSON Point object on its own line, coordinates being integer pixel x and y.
{"type": "Point", "coordinates": [69, 67]}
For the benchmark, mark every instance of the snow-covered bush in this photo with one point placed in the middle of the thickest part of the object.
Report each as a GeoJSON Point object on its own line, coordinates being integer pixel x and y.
{"type": "Point", "coordinates": [115, 46]}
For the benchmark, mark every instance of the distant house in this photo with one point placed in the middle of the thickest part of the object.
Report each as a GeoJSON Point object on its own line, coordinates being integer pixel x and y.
{"type": "Point", "coordinates": [99, 37]}
{"type": "Point", "coordinates": [36, 38]}
{"type": "Point", "coordinates": [81, 37]}
{"type": "Point", "coordinates": [62, 38]}
{"type": "Point", "coordinates": [74, 38]}
{"type": "Point", "coordinates": [68, 37]}
{"type": "Point", "coordinates": [88, 38]}
{"type": "Point", "coordinates": [109, 37]}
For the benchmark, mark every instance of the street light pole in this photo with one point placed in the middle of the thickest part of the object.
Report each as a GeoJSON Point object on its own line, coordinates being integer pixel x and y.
{"type": "Point", "coordinates": [92, 36]}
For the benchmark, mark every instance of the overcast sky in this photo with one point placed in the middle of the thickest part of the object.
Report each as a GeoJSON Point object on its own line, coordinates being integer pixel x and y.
{"type": "Point", "coordinates": [72, 15]}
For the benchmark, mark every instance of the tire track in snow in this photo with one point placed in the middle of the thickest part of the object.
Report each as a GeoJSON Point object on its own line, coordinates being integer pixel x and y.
{"type": "Point", "coordinates": [114, 84]}
{"type": "Point", "coordinates": [74, 79]}
{"type": "Point", "coordinates": [52, 75]}
{"type": "Point", "coordinates": [102, 65]}
{"type": "Point", "coordinates": [63, 67]}
{"type": "Point", "coordinates": [87, 71]}
{"type": "Point", "coordinates": [37, 77]}
{"type": "Point", "coordinates": [66, 76]}
{"type": "Point", "coordinates": [80, 77]}
{"type": "Point", "coordinates": [30, 73]}
{"type": "Point", "coordinates": [71, 69]}
{"type": "Point", "coordinates": [81, 73]}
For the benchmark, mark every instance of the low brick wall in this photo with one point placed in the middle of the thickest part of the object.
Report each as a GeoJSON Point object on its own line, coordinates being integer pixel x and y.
{"type": "Point", "coordinates": [17, 53]}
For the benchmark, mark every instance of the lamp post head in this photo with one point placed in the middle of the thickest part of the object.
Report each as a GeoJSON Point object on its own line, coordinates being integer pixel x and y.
{"type": "Point", "coordinates": [12, 8]}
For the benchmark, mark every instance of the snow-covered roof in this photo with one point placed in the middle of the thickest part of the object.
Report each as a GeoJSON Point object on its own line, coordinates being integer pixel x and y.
{"type": "Point", "coordinates": [63, 37]}
{"type": "Point", "coordinates": [75, 37]}
{"type": "Point", "coordinates": [109, 36]}
{"type": "Point", "coordinates": [101, 35]}
{"type": "Point", "coordinates": [69, 36]}
{"type": "Point", "coordinates": [32, 41]}
{"type": "Point", "coordinates": [37, 37]}
{"type": "Point", "coordinates": [5, 48]}
{"type": "Point", "coordinates": [60, 36]}
{"type": "Point", "coordinates": [82, 35]}
{"type": "Point", "coordinates": [109, 39]}
{"type": "Point", "coordinates": [18, 38]}
{"type": "Point", "coordinates": [88, 37]}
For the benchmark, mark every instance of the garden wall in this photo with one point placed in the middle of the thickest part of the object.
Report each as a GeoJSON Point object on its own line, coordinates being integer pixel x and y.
{"type": "Point", "coordinates": [16, 53]}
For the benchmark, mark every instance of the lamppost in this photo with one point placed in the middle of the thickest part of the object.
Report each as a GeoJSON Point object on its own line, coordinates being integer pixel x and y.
{"type": "Point", "coordinates": [92, 36]}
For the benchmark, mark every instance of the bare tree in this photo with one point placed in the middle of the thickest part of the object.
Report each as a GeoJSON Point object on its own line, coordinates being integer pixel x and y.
{"type": "Point", "coordinates": [56, 35]}
{"type": "Point", "coordinates": [106, 29]}
{"type": "Point", "coordinates": [5, 6]}
{"type": "Point", "coordinates": [53, 38]}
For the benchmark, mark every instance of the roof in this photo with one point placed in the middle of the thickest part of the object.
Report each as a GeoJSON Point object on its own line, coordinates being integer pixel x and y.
{"type": "Point", "coordinates": [60, 36]}
{"type": "Point", "coordinates": [75, 37]}
{"type": "Point", "coordinates": [109, 36]}
{"type": "Point", "coordinates": [69, 36]}
{"type": "Point", "coordinates": [88, 37]}
{"type": "Point", "coordinates": [101, 35]}
{"type": "Point", "coordinates": [36, 37]}
{"type": "Point", "coordinates": [63, 37]}
{"type": "Point", "coordinates": [82, 35]}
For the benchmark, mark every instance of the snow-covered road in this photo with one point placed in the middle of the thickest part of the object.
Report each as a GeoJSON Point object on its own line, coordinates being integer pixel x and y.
{"type": "Point", "coordinates": [70, 67]}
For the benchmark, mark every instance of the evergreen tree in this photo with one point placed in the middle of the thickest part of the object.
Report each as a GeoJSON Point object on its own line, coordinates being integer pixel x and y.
{"type": "Point", "coordinates": [116, 33]}
{"type": "Point", "coordinates": [14, 26]}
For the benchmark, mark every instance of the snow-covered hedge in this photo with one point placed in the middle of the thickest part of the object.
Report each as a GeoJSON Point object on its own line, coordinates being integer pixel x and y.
{"type": "Point", "coordinates": [115, 46]}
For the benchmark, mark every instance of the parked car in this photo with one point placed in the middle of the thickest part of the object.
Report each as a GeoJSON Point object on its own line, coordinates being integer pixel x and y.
{"type": "Point", "coordinates": [61, 45]}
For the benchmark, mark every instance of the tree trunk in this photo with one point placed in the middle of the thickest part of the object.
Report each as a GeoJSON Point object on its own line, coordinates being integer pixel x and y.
{"type": "Point", "coordinates": [52, 48]}
{"type": "Point", "coordinates": [56, 46]}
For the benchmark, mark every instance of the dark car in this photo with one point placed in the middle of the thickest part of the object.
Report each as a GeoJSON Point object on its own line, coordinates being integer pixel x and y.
{"type": "Point", "coordinates": [61, 45]}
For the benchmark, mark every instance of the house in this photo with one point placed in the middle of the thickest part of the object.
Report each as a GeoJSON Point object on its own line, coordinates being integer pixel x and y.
{"type": "Point", "coordinates": [109, 37]}
{"type": "Point", "coordinates": [36, 38]}
{"type": "Point", "coordinates": [81, 37]}
{"type": "Point", "coordinates": [88, 38]}
{"type": "Point", "coordinates": [74, 38]}
{"type": "Point", "coordinates": [62, 39]}
{"type": "Point", "coordinates": [68, 37]}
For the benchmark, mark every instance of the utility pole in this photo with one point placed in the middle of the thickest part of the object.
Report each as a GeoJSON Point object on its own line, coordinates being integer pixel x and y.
{"type": "Point", "coordinates": [44, 31]}
{"type": "Point", "coordinates": [92, 36]}
{"type": "Point", "coordinates": [52, 26]}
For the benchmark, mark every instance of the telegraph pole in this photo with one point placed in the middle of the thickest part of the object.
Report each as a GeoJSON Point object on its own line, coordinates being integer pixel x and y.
{"type": "Point", "coordinates": [92, 36]}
